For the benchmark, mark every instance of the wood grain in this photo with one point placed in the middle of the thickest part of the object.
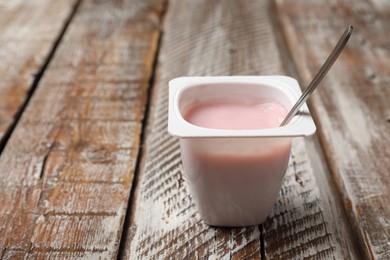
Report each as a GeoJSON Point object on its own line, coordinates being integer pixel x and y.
{"type": "Point", "coordinates": [67, 170]}
{"type": "Point", "coordinates": [28, 31]}
{"type": "Point", "coordinates": [225, 38]}
{"type": "Point", "coordinates": [352, 107]}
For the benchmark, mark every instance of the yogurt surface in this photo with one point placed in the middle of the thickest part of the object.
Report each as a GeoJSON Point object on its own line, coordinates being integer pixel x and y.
{"type": "Point", "coordinates": [237, 115]}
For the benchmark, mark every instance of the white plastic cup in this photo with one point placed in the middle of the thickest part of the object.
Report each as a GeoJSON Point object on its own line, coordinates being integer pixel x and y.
{"type": "Point", "coordinates": [234, 176]}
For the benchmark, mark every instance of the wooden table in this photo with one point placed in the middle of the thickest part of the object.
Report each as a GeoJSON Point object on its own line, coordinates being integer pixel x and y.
{"type": "Point", "coordinates": [88, 170]}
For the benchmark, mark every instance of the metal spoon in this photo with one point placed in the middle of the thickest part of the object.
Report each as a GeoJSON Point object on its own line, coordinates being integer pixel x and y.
{"type": "Point", "coordinates": [320, 74]}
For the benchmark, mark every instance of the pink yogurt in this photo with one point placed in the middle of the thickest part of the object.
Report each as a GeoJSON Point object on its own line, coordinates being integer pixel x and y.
{"type": "Point", "coordinates": [237, 115]}
{"type": "Point", "coordinates": [235, 186]}
{"type": "Point", "coordinates": [233, 152]}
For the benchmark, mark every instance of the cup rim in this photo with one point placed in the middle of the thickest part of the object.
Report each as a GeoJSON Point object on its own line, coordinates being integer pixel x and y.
{"type": "Point", "coordinates": [301, 125]}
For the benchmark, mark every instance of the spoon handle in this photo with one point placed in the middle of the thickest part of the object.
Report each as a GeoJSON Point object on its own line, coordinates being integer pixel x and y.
{"type": "Point", "coordinates": [320, 74]}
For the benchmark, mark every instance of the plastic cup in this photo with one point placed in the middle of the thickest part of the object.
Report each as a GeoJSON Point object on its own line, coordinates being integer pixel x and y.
{"type": "Point", "coordinates": [234, 176]}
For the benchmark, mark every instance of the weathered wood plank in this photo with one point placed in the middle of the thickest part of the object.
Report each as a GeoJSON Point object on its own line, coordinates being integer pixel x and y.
{"type": "Point", "coordinates": [67, 170]}
{"type": "Point", "coordinates": [352, 107]}
{"type": "Point", "coordinates": [224, 38]}
{"type": "Point", "coordinates": [307, 220]}
{"type": "Point", "coordinates": [28, 31]}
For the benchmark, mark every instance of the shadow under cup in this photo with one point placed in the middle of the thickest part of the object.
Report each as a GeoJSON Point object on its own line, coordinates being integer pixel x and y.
{"type": "Point", "coordinates": [234, 176]}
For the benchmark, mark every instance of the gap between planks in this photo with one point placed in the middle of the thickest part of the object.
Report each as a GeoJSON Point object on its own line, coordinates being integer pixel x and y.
{"type": "Point", "coordinates": [151, 83]}
{"type": "Point", "coordinates": [37, 77]}
{"type": "Point", "coordinates": [262, 242]}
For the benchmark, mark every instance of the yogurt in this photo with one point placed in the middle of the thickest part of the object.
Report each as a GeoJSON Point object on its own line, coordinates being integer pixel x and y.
{"type": "Point", "coordinates": [233, 151]}
{"type": "Point", "coordinates": [237, 115]}
{"type": "Point", "coordinates": [223, 180]}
